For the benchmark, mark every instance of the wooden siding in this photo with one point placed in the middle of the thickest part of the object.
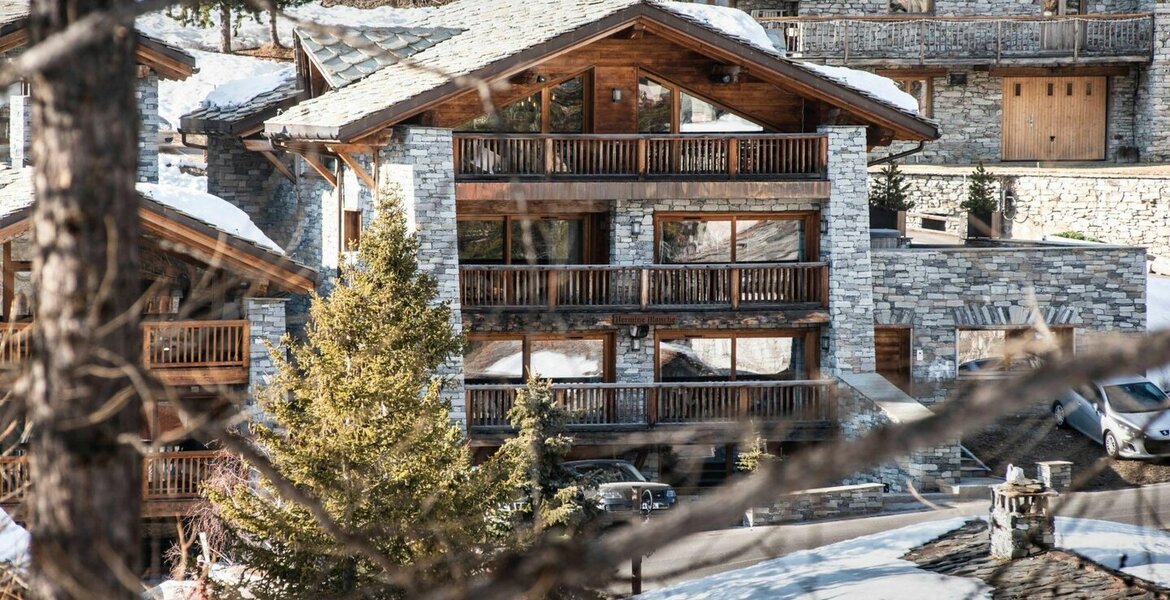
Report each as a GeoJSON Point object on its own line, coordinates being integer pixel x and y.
{"type": "Point", "coordinates": [1054, 118]}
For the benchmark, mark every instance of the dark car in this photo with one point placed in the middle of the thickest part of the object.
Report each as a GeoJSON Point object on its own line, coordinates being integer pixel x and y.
{"type": "Point", "coordinates": [614, 483]}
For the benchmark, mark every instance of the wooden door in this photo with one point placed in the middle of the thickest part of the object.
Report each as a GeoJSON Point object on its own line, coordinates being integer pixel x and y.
{"type": "Point", "coordinates": [1054, 118]}
{"type": "Point", "coordinates": [892, 349]}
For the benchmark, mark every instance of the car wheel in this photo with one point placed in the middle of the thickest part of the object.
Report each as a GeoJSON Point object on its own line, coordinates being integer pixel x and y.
{"type": "Point", "coordinates": [1111, 446]}
{"type": "Point", "coordinates": [1058, 415]}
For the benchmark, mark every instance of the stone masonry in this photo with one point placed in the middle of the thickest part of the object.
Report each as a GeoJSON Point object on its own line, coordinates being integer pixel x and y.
{"type": "Point", "coordinates": [821, 503]}
{"type": "Point", "coordinates": [146, 92]}
{"type": "Point", "coordinates": [848, 341]}
{"type": "Point", "coordinates": [267, 321]}
{"type": "Point", "coordinates": [20, 129]}
{"type": "Point", "coordinates": [419, 162]}
{"type": "Point", "coordinates": [1153, 101]}
{"type": "Point", "coordinates": [1102, 288]}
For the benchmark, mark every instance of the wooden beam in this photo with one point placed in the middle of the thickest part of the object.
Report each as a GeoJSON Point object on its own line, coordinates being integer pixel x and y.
{"type": "Point", "coordinates": [279, 164]}
{"type": "Point", "coordinates": [9, 282]}
{"type": "Point", "coordinates": [1086, 71]}
{"type": "Point", "coordinates": [912, 73]}
{"type": "Point", "coordinates": [12, 40]}
{"type": "Point", "coordinates": [358, 170]}
{"type": "Point", "coordinates": [506, 191]}
{"type": "Point", "coordinates": [314, 161]}
{"type": "Point", "coordinates": [259, 145]}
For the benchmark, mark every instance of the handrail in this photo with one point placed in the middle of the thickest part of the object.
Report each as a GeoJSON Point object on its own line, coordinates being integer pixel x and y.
{"type": "Point", "coordinates": [633, 136]}
{"type": "Point", "coordinates": [657, 385]}
{"type": "Point", "coordinates": [929, 18]}
{"type": "Point", "coordinates": [686, 266]}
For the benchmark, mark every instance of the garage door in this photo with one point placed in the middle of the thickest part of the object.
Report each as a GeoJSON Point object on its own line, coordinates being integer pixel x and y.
{"type": "Point", "coordinates": [1054, 118]}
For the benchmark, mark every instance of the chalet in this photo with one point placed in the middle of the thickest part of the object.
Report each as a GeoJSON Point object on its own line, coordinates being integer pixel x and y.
{"type": "Point", "coordinates": [667, 215]}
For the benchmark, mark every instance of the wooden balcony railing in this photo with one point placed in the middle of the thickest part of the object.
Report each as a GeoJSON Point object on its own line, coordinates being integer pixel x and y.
{"type": "Point", "coordinates": [582, 287]}
{"type": "Point", "coordinates": [647, 404]}
{"type": "Point", "coordinates": [179, 352]}
{"type": "Point", "coordinates": [967, 40]}
{"type": "Point", "coordinates": [165, 475]}
{"type": "Point", "coordinates": [714, 156]}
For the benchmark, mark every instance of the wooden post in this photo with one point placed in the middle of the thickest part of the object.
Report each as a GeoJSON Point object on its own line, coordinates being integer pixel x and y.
{"type": "Point", "coordinates": [735, 288]}
{"type": "Point", "coordinates": [636, 574]}
{"type": "Point", "coordinates": [645, 279]}
{"type": "Point", "coordinates": [846, 58]}
{"type": "Point", "coordinates": [147, 353]}
{"type": "Point", "coordinates": [825, 286]}
{"type": "Point", "coordinates": [998, 41]}
{"type": "Point", "coordinates": [8, 283]}
{"type": "Point", "coordinates": [733, 157]}
{"type": "Point", "coordinates": [551, 289]}
{"type": "Point", "coordinates": [921, 41]}
{"type": "Point", "coordinates": [642, 158]}
{"type": "Point", "coordinates": [743, 402]}
{"type": "Point", "coordinates": [549, 163]}
{"type": "Point", "coordinates": [651, 406]}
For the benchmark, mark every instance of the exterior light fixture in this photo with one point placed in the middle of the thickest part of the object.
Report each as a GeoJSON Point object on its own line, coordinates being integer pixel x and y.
{"type": "Point", "coordinates": [636, 228]}
{"type": "Point", "coordinates": [616, 94]}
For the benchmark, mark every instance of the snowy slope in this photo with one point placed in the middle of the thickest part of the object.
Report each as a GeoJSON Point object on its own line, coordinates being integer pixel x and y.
{"type": "Point", "coordinates": [210, 209]}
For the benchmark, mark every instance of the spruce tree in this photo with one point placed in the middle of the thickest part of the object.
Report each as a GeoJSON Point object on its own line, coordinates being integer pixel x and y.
{"type": "Point", "coordinates": [888, 192]}
{"type": "Point", "coordinates": [981, 198]}
{"type": "Point", "coordinates": [356, 420]}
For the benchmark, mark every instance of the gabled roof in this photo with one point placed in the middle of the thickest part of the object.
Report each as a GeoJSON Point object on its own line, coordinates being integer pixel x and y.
{"type": "Point", "coordinates": [343, 61]}
{"type": "Point", "coordinates": [502, 35]}
{"type": "Point", "coordinates": [241, 249]}
{"type": "Point", "coordinates": [170, 62]}
{"type": "Point", "coordinates": [237, 119]}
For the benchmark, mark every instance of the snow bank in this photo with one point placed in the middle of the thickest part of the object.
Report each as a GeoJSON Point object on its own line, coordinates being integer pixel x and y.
{"type": "Point", "coordinates": [875, 85]}
{"type": "Point", "coordinates": [868, 568]}
{"type": "Point", "coordinates": [730, 21]}
{"type": "Point", "coordinates": [13, 542]}
{"type": "Point", "coordinates": [253, 32]}
{"type": "Point", "coordinates": [1146, 551]}
{"type": "Point", "coordinates": [210, 209]}
{"type": "Point", "coordinates": [170, 171]}
{"type": "Point", "coordinates": [240, 91]}
{"type": "Point", "coordinates": [177, 98]}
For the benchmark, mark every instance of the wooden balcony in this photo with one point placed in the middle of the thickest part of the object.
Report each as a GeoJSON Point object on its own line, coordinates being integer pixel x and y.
{"type": "Point", "coordinates": [902, 40]}
{"type": "Point", "coordinates": [633, 406]}
{"type": "Point", "coordinates": [170, 480]}
{"type": "Point", "coordinates": [632, 157]}
{"type": "Point", "coordinates": [177, 352]}
{"type": "Point", "coordinates": [612, 287]}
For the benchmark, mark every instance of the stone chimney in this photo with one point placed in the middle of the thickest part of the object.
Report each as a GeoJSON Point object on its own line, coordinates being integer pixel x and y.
{"type": "Point", "coordinates": [1021, 522]}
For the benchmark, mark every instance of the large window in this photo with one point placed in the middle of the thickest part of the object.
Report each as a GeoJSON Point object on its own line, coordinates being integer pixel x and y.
{"type": "Point", "coordinates": [735, 356]}
{"type": "Point", "coordinates": [517, 240]}
{"type": "Point", "coordinates": [663, 108]}
{"type": "Point", "coordinates": [994, 352]}
{"type": "Point", "coordinates": [724, 238]}
{"type": "Point", "coordinates": [558, 108]}
{"type": "Point", "coordinates": [513, 358]}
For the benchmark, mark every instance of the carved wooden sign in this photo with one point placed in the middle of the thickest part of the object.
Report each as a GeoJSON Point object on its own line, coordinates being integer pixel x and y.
{"type": "Point", "coordinates": [619, 320]}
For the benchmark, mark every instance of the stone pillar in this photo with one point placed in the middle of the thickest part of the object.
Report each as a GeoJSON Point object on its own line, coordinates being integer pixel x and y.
{"type": "Point", "coordinates": [20, 129]}
{"type": "Point", "coordinates": [1056, 474]}
{"type": "Point", "coordinates": [266, 317]}
{"type": "Point", "coordinates": [146, 91]}
{"type": "Point", "coordinates": [1021, 523]}
{"type": "Point", "coordinates": [419, 162]}
{"type": "Point", "coordinates": [848, 340]}
{"type": "Point", "coordinates": [1153, 103]}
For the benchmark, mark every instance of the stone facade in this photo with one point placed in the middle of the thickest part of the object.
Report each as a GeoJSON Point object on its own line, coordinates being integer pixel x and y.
{"type": "Point", "coordinates": [20, 129]}
{"type": "Point", "coordinates": [1057, 201]}
{"type": "Point", "coordinates": [146, 92]}
{"type": "Point", "coordinates": [1021, 523]}
{"type": "Point", "coordinates": [266, 318]}
{"type": "Point", "coordinates": [1055, 474]}
{"type": "Point", "coordinates": [1096, 288]}
{"type": "Point", "coordinates": [418, 161]}
{"type": "Point", "coordinates": [822, 503]}
{"type": "Point", "coordinates": [1153, 99]}
{"type": "Point", "coordinates": [848, 343]}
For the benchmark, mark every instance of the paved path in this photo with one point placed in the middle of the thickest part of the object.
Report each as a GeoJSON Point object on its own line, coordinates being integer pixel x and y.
{"type": "Point", "coordinates": [741, 547]}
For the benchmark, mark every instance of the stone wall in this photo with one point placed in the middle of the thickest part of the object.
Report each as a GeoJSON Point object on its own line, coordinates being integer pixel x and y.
{"type": "Point", "coordinates": [946, 7]}
{"type": "Point", "coordinates": [1112, 208]}
{"type": "Point", "coordinates": [822, 503]}
{"type": "Point", "coordinates": [146, 92]}
{"type": "Point", "coordinates": [848, 340]}
{"type": "Point", "coordinates": [1153, 100]}
{"type": "Point", "coordinates": [266, 317]}
{"type": "Point", "coordinates": [20, 129]}
{"type": "Point", "coordinates": [418, 160]}
{"type": "Point", "coordinates": [1092, 288]}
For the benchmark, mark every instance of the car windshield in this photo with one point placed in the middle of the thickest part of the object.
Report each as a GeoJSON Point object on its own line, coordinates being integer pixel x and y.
{"type": "Point", "coordinates": [1141, 396]}
{"type": "Point", "coordinates": [610, 473]}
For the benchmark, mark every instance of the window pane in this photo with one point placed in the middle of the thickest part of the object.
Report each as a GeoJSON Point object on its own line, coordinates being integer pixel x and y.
{"type": "Point", "coordinates": [654, 107]}
{"type": "Point", "coordinates": [695, 359]}
{"type": "Point", "coordinates": [695, 242]}
{"type": "Point", "coordinates": [579, 360]}
{"type": "Point", "coordinates": [769, 240]}
{"type": "Point", "coordinates": [566, 103]}
{"type": "Point", "coordinates": [521, 116]}
{"type": "Point", "coordinates": [493, 360]}
{"type": "Point", "coordinates": [767, 358]}
{"type": "Point", "coordinates": [481, 242]}
{"type": "Point", "coordinates": [548, 241]}
{"type": "Point", "coordinates": [699, 116]}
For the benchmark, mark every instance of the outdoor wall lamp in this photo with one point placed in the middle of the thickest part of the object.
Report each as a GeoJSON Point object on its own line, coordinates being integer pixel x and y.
{"type": "Point", "coordinates": [637, 332]}
{"type": "Point", "coordinates": [616, 93]}
{"type": "Point", "coordinates": [636, 228]}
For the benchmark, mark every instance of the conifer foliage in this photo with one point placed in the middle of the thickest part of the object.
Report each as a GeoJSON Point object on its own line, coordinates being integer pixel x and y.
{"type": "Point", "coordinates": [981, 198]}
{"type": "Point", "coordinates": [888, 192]}
{"type": "Point", "coordinates": [356, 419]}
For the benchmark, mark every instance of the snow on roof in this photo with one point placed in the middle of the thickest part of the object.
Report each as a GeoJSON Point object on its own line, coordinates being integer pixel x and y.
{"type": "Point", "coordinates": [731, 22]}
{"type": "Point", "coordinates": [871, 84]}
{"type": "Point", "coordinates": [210, 209]}
{"type": "Point", "coordinates": [245, 74]}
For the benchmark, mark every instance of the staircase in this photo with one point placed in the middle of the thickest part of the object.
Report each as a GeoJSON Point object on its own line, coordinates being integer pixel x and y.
{"type": "Point", "coordinates": [975, 478]}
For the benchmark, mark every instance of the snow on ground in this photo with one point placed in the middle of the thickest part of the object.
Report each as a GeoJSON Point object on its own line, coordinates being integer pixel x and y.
{"type": "Point", "coordinates": [1158, 317]}
{"type": "Point", "coordinates": [13, 542]}
{"type": "Point", "coordinates": [210, 209]}
{"type": "Point", "coordinates": [170, 172]}
{"type": "Point", "coordinates": [253, 33]}
{"type": "Point", "coordinates": [731, 21]}
{"type": "Point", "coordinates": [867, 568]}
{"type": "Point", "coordinates": [177, 98]}
{"type": "Point", "coordinates": [1146, 551]}
{"type": "Point", "coordinates": [876, 85]}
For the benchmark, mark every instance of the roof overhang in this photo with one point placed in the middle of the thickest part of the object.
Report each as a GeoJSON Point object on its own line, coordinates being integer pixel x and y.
{"type": "Point", "coordinates": [168, 61]}
{"type": "Point", "coordinates": [771, 68]}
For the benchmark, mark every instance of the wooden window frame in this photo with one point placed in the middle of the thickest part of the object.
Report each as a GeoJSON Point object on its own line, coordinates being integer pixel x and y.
{"type": "Point", "coordinates": [676, 92]}
{"type": "Point", "coordinates": [811, 220]}
{"type": "Point", "coordinates": [811, 336]}
{"type": "Point", "coordinates": [351, 229]}
{"type": "Point", "coordinates": [608, 338]}
{"type": "Point", "coordinates": [587, 229]}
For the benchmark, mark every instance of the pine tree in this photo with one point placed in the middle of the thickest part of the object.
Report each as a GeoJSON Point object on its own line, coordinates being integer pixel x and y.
{"type": "Point", "coordinates": [889, 191]}
{"type": "Point", "coordinates": [229, 12]}
{"type": "Point", "coordinates": [981, 197]}
{"type": "Point", "coordinates": [357, 421]}
{"type": "Point", "coordinates": [534, 461]}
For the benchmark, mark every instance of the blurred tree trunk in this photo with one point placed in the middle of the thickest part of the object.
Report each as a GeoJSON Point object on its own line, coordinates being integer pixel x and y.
{"type": "Point", "coordinates": [272, 31]}
{"type": "Point", "coordinates": [225, 28]}
{"type": "Point", "coordinates": [86, 502]}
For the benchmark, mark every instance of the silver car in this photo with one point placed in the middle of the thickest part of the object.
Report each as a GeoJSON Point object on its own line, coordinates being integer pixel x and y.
{"type": "Point", "coordinates": [1128, 415]}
